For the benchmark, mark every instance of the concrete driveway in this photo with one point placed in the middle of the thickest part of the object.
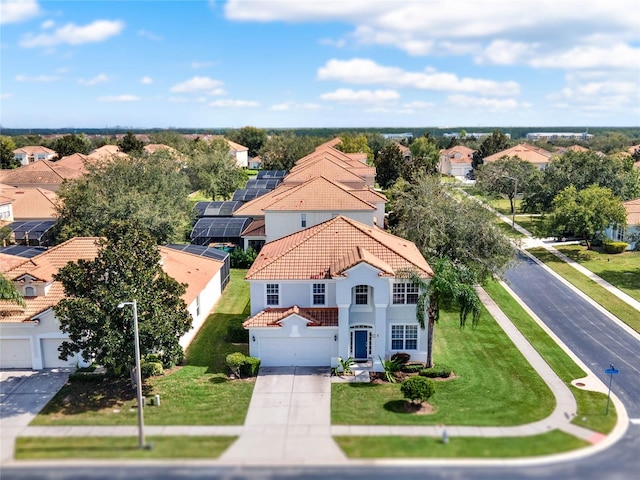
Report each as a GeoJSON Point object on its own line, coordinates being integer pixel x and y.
{"type": "Point", "coordinates": [23, 393]}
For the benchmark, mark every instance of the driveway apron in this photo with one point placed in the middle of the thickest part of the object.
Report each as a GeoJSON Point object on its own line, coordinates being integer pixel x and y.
{"type": "Point", "coordinates": [289, 420]}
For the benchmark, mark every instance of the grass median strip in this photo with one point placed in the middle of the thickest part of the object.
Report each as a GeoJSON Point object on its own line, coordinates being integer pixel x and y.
{"type": "Point", "coordinates": [459, 447]}
{"type": "Point", "coordinates": [600, 295]}
{"type": "Point", "coordinates": [45, 448]}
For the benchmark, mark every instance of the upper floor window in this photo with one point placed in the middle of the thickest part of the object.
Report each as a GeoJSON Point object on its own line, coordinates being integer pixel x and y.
{"type": "Point", "coordinates": [303, 220]}
{"type": "Point", "coordinates": [319, 293]}
{"type": "Point", "coordinates": [362, 295]}
{"type": "Point", "coordinates": [273, 294]}
{"type": "Point", "coordinates": [29, 292]}
{"type": "Point", "coordinates": [405, 293]}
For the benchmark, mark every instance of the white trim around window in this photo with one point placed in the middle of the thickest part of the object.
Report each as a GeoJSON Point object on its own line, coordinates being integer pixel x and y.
{"type": "Point", "coordinates": [404, 337]}
{"type": "Point", "coordinates": [405, 293]}
{"type": "Point", "coordinates": [318, 294]}
{"type": "Point", "coordinates": [272, 294]}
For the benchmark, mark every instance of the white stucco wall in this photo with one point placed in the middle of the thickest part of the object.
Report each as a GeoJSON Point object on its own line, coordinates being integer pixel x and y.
{"type": "Point", "coordinates": [207, 298]}
{"type": "Point", "coordinates": [280, 224]}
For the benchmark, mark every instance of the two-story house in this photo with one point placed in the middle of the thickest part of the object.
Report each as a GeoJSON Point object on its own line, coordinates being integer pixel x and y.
{"type": "Point", "coordinates": [33, 153]}
{"type": "Point", "coordinates": [336, 289]}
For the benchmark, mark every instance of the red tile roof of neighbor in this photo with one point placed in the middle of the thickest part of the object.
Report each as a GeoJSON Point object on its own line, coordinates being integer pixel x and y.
{"type": "Point", "coordinates": [633, 211]}
{"type": "Point", "coordinates": [193, 270]}
{"type": "Point", "coordinates": [33, 149]}
{"type": "Point", "coordinates": [458, 154]}
{"type": "Point", "coordinates": [328, 169]}
{"type": "Point", "coordinates": [237, 147]}
{"type": "Point", "coordinates": [524, 151]}
{"type": "Point", "coordinates": [255, 229]}
{"type": "Point", "coordinates": [326, 250]}
{"type": "Point", "coordinates": [38, 173]}
{"type": "Point", "coordinates": [76, 161]}
{"type": "Point", "coordinates": [154, 147]}
{"type": "Point", "coordinates": [272, 317]}
{"type": "Point", "coordinates": [31, 203]}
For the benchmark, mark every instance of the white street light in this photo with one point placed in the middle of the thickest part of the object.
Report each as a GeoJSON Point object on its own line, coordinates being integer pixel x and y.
{"type": "Point", "coordinates": [141, 442]}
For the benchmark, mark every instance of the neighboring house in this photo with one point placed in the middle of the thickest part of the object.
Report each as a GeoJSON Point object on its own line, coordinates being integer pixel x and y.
{"type": "Point", "coordinates": [537, 156]}
{"type": "Point", "coordinates": [336, 289]}
{"type": "Point", "coordinates": [255, 163]}
{"type": "Point", "coordinates": [42, 174]}
{"type": "Point", "coordinates": [456, 161]}
{"type": "Point", "coordinates": [30, 154]}
{"type": "Point", "coordinates": [31, 203]}
{"type": "Point", "coordinates": [404, 150]}
{"type": "Point", "coordinates": [572, 148]}
{"type": "Point", "coordinates": [30, 336]}
{"type": "Point", "coordinates": [155, 147]}
{"type": "Point", "coordinates": [240, 153]}
{"type": "Point", "coordinates": [76, 161]}
{"type": "Point", "coordinates": [623, 234]}
{"type": "Point", "coordinates": [107, 151]}
{"type": "Point", "coordinates": [6, 208]}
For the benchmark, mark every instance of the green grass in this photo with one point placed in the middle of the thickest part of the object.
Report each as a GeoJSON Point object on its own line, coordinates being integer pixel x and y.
{"type": "Point", "coordinates": [536, 225]}
{"type": "Point", "coordinates": [591, 405]}
{"type": "Point", "coordinates": [496, 385]}
{"type": "Point", "coordinates": [621, 270]}
{"type": "Point", "coordinates": [199, 196]}
{"type": "Point", "coordinates": [198, 393]}
{"type": "Point", "coordinates": [459, 447]}
{"type": "Point", "coordinates": [507, 229]}
{"type": "Point", "coordinates": [613, 304]}
{"type": "Point", "coordinates": [44, 448]}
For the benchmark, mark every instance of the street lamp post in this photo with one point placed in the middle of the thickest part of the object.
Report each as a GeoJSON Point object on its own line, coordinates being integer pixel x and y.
{"type": "Point", "coordinates": [515, 194]}
{"type": "Point", "coordinates": [141, 442]}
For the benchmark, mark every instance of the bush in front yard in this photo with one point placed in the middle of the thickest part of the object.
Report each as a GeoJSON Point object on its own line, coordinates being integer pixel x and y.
{"type": "Point", "coordinates": [439, 371]}
{"type": "Point", "coordinates": [417, 389]}
{"type": "Point", "coordinates": [250, 366]}
{"type": "Point", "coordinates": [151, 369]}
{"type": "Point", "coordinates": [235, 361]}
{"type": "Point", "coordinates": [412, 367]}
{"type": "Point", "coordinates": [615, 247]}
{"type": "Point", "coordinates": [401, 357]}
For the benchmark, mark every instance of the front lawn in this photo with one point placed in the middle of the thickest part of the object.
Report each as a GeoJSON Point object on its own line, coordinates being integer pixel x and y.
{"type": "Point", "coordinates": [198, 393]}
{"type": "Point", "coordinates": [621, 270]}
{"type": "Point", "coordinates": [44, 448]}
{"type": "Point", "coordinates": [548, 443]}
{"type": "Point", "coordinates": [495, 384]}
{"type": "Point", "coordinates": [600, 295]}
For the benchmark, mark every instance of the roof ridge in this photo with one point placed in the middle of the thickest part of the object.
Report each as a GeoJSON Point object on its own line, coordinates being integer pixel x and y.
{"type": "Point", "coordinates": [320, 178]}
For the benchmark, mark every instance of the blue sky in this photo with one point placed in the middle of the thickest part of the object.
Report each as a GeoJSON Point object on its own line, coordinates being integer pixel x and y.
{"type": "Point", "coordinates": [319, 63]}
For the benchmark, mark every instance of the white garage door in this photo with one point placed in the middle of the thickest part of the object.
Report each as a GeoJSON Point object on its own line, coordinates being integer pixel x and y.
{"type": "Point", "coordinates": [50, 354]}
{"type": "Point", "coordinates": [299, 352]}
{"type": "Point", "coordinates": [15, 353]}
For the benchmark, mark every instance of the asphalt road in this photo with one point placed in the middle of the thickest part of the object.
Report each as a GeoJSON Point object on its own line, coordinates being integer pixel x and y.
{"type": "Point", "coordinates": [589, 333]}
{"type": "Point", "coordinates": [595, 339]}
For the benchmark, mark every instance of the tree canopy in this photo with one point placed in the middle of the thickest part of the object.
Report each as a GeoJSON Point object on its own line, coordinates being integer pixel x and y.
{"type": "Point", "coordinates": [126, 268]}
{"type": "Point", "coordinates": [586, 212]}
{"type": "Point", "coordinates": [130, 144]}
{"type": "Point", "coordinates": [350, 143]}
{"type": "Point", "coordinates": [8, 291]}
{"type": "Point", "coordinates": [494, 143]}
{"type": "Point", "coordinates": [211, 169]}
{"type": "Point", "coordinates": [7, 157]}
{"type": "Point", "coordinates": [150, 190]}
{"type": "Point", "coordinates": [425, 156]}
{"type": "Point", "coordinates": [281, 152]}
{"type": "Point", "coordinates": [251, 137]}
{"type": "Point", "coordinates": [389, 165]}
{"type": "Point", "coordinates": [70, 144]}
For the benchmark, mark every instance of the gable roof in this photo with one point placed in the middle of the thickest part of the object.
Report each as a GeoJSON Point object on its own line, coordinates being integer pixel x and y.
{"type": "Point", "coordinates": [76, 161]}
{"type": "Point", "coordinates": [523, 151]}
{"type": "Point", "coordinates": [31, 203]}
{"type": "Point", "coordinates": [633, 211]}
{"type": "Point", "coordinates": [38, 173]}
{"type": "Point", "coordinates": [273, 317]}
{"type": "Point", "coordinates": [33, 149]}
{"type": "Point", "coordinates": [458, 154]}
{"type": "Point", "coordinates": [194, 270]}
{"type": "Point", "coordinates": [328, 169]}
{"type": "Point", "coordinates": [154, 147]}
{"type": "Point", "coordinates": [319, 252]}
{"type": "Point", "coordinates": [236, 146]}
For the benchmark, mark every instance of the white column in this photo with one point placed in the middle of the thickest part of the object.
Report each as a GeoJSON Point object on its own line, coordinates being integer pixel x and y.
{"type": "Point", "coordinates": [380, 341]}
{"type": "Point", "coordinates": [343, 331]}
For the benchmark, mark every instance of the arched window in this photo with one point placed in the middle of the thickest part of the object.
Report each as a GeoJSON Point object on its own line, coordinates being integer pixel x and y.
{"type": "Point", "coordinates": [29, 292]}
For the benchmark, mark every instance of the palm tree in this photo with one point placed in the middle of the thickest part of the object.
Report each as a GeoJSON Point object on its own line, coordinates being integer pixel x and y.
{"type": "Point", "coordinates": [450, 284]}
{"type": "Point", "coordinates": [8, 291]}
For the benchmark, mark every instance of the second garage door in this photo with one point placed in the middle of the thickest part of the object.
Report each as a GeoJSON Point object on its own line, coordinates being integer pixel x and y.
{"type": "Point", "coordinates": [299, 352]}
{"type": "Point", "coordinates": [50, 354]}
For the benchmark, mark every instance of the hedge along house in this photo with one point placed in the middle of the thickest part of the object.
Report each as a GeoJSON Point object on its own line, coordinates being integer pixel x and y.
{"type": "Point", "coordinates": [30, 336]}
{"type": "Point", "coordinates": [335, 289]}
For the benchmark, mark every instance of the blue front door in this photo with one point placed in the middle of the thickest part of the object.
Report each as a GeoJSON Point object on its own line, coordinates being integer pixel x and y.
{"type": "Point", "coordinates": [360, 344]}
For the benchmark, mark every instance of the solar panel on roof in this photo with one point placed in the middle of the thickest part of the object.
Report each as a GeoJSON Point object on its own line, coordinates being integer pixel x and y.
{"type": "Point", "coordinates": [22, 251]}
{"type": "Point", "coordinates": [200, 250]}
{"type": "Point", "coordinates": [268, 183]}
{"type": "Point", "coordinates": [210, 229]}
{"type": "Point", "coordinates": [246, 194]}
{"type": "Point", "coordinates": [32, 229]}
{"type": "Point", "coordinates": [216, 209]}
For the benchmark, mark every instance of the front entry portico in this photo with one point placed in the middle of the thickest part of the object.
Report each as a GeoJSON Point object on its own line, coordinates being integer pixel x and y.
{"type": "Point", "coordinates": [360, 342]}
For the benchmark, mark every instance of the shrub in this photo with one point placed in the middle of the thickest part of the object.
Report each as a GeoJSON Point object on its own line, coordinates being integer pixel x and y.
{"type": "Point", "coordinates": [241, 259]}
{"type": "Point", "coordinates": [250, 366]}
{"type": "Point", "coordinates": [417, 389]}
{"type": "Point", "coordinates": [235, 361]}
{"type": "Point", "coordinates": [439, 371]}
{"type": "Point", "coordinates": [401, 357]}
{"type": "Point", "coordinates": [236, 333]}
{"type": "Point", "coordinates": [151, 369]}
{"type": "Point", "coordinates": [345, 366]}
{"type": "Point", "coordinates": [412, 367]}
{"type": "Point", "coordinates": [390, 367]}
{"type": "Point", "coordinates": [615, 247]}
{"type": "Point", "coordinates": [81, 377]}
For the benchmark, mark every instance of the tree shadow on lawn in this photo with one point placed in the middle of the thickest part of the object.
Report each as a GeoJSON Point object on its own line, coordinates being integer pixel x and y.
{"type": "Point", "coordinates": [629, 279]}
{"type": "Point", "coordinates": [402, 406]}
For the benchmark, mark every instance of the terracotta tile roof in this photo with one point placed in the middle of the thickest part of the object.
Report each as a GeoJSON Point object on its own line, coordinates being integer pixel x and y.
{"type": "Point", "coordinates": [34, 149]}
{"type": "Point", "coordinates": [311, 253]}
{"type": "Point", "coordinates": [524, 151]}
{"type": "Point", "coordinates": [255, 207]}
{"type": "Point", "coordinates": [237, 147]}
{"type": "Point", "coordinates": [272, 317]}
{"type": "Point", "coordinates": [633, 148]}
{"type": "Point", "coordinates": [358, 255]}
{"type": "Point", "coordinates": [107, 151]}
{"type": "Point", "coordinates": [403, 149]}
{"type": "Point", "coordinates": [154, 147]}
{"type": "Point", "coordinates": [633, 211]}
{"type": "Point", "coordinates": [458, 154]}
{"type": "Point", "coordinates": [7, 262]}
{"type": "Point", "coordinates": [76, 161]}
{"type": "Point", "coordinates": [343, 159]}
{"type": "Point", "coordinates": [318, 194]}
{"type": "Point", "coordinates": [32, 203]}
{"type": "Point", "coordinates": [369, 195]}
{"type": "Point", "coordinates": [328, 169]}
{"type": "Point", "coordinates": [331, 143]}
{"type": "Point", "coordinates": [43, 172]}
{"type": "Point", "coordinates": [194, 270]}
{"type": "Point", "coordinates": [255, 229]}
{"type": "Point", "coordinates": [360, 157]}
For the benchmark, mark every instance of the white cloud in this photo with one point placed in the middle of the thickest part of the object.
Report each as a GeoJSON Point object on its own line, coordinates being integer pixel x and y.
{"type": "Point", "coordinates": [72, 34]}
{"type": "Point", "coordinates": [119, 98]}
{"type": "Point", "coordinates": [490, 104]}
{"type": "Point", "coordinates": [16, 12]}
{"type": "Point", "coordinates": [365, 71]}
{"type": "Point", "coordinates": [47, 24]}
{"type": "Point", "coordinates": [197, 65]}
{"type": "Point", "coordinates": [233, 103]}
{"type": "Point", "coordinates": [37, 78]}
{"type": "Point", "coordinates": [598, 91]}
{"type": "Point", "coordinates": [146, 80]}
{"type": "Point", "coordinates": [284, 106]}
{"type": "Point", "coordinates": [101, 78]}
{"type": "Point", "coordinates": [618, 56]}
{"type": "Point", "coordinates": [338, 43]}
{"type": "Point", "coordinates": [199, 85]}
{"type": "Point", "coordinates": [6, 95]}
{"type": "Point", "coordinates": [347, 95]}
{"type": "Point", "coordinates": [149, 35]}
{"type": "Point", "coordinates": [418, 104]}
